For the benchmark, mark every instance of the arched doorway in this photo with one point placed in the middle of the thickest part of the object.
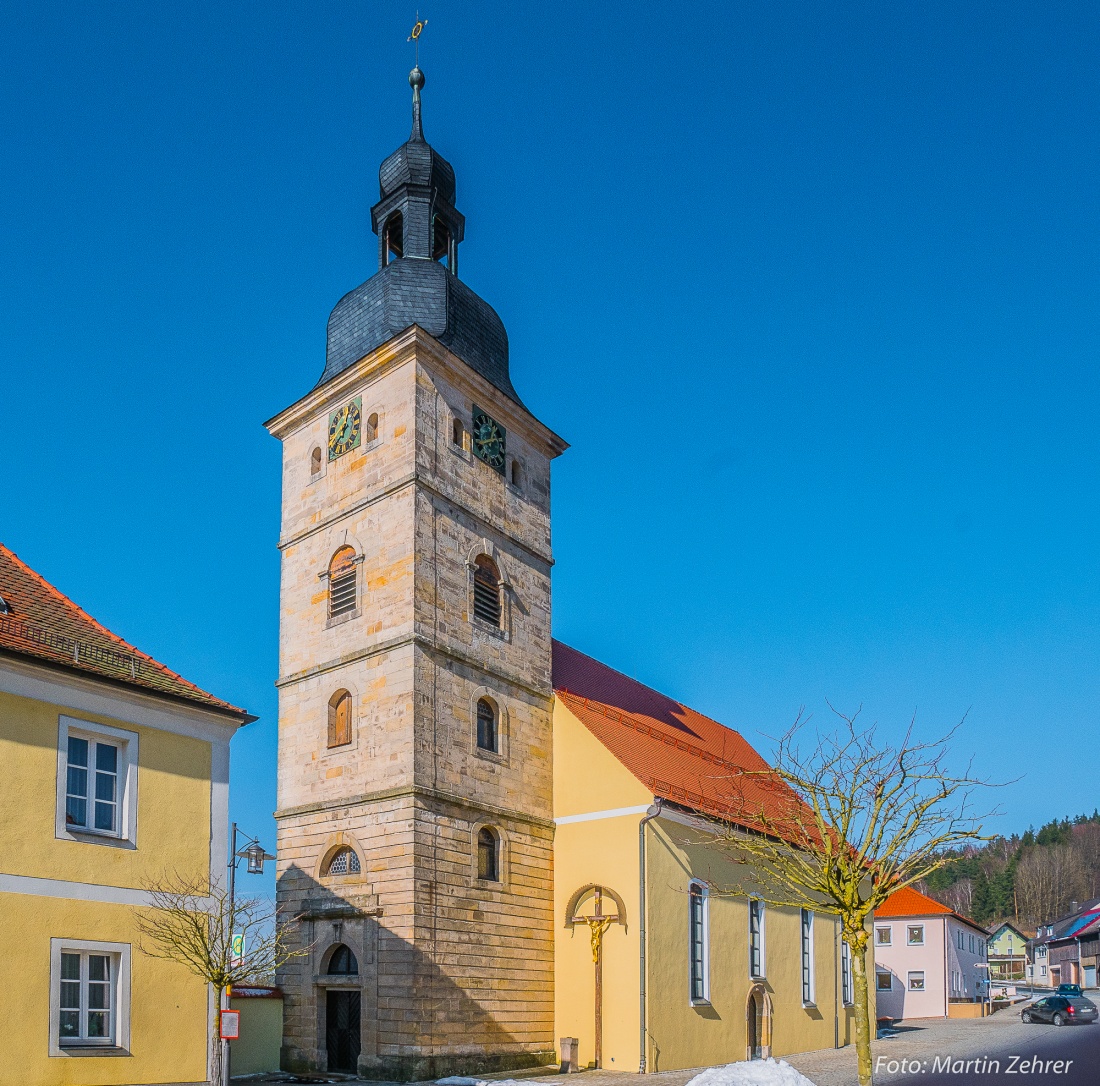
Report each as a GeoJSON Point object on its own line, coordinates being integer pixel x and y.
{"type": "Point", "coordinates": [342, 1012]}
{"type": "Point", "coordinates": [758, 1024]}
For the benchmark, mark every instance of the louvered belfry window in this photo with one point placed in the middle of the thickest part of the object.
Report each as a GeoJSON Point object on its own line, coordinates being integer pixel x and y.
{"type": "Point", "coordinates": [339, 719]}
{"type": "Point", "coordinates": [486, 591]}
{"type": "Point", "coordinates": [342, 572]}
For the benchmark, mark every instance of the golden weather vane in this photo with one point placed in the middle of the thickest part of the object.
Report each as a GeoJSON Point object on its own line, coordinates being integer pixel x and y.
{"type": "Point", "coordinates": [417, 30]}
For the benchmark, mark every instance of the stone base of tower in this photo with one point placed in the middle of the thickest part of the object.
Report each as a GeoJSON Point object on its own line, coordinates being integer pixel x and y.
{"type": "Point", "coordinates": [419, 1068]}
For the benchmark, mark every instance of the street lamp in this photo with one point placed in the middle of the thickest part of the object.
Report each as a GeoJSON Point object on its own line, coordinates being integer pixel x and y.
{"type": "Point", "coordinates": [254, 855]}
{"type": "Point", "coordinates": [988, 983]}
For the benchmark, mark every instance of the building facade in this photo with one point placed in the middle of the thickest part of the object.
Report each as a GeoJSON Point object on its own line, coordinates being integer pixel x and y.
{"type": "Point", "coordinates": [927, 958]}
{"type": "Point", "coordinates": [415, 699]}
{"type": "Point", "coordinates": [117, 770]}
{"type": "Point", "coordinates": [1007, 951]}
{"type": "Point", "coordinates": [1070, 947]}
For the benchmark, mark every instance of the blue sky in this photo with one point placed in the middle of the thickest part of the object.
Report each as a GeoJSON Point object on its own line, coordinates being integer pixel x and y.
{"type": "Point", "coordinates": [811, 290]}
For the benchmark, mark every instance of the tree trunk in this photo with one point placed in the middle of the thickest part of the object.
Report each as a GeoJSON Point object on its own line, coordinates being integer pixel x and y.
{"type": "Point", "coordinates": [216, 1073]}
{"type": "Point", "coordinates": [863, 1011]}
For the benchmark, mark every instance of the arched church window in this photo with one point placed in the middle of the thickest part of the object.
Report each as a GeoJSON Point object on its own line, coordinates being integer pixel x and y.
{"type": "Point", "coordinates": [393, 238]}
{"type": "Point", "coordinates": [487, 590]}
{"type": "Point", "coordinates": [339, 719]}
{"type": "Point", "coordinates": [488, 855]}
{"type": "Point", "coordinates": [370, 431]}
{"type": "Point", "coordinates": [315, 462]}
{"type": "Point", "coordinates": [517, 474]}
{"type": "Point", "coordinates": [343, 962]}
{"type": "Point", "coordinates": [456, 432]}
{"type": "Point", "coordinates": [487, 731]}
{"type": "Point", "coordinates": [344, 862]}
{"type": "Point", "coordinates": [341, 582]}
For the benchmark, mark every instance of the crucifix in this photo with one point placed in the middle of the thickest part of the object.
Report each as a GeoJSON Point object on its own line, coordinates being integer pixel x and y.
{"type": "Point", "coordinates": [598, 922]}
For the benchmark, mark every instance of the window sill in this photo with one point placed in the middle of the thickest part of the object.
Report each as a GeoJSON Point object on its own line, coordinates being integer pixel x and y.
{"type": "Point", "coordinates": [92, 1050]}
{"type": "Point", "coordinates": [490, 629]}
{"type": "Point", "coordinates": [810, 1006]}
{"type": "Point", "coordinates": [96, 837]}
{"type": "Point", "coordinates": [699, 1002]}
{"type": "Point", "coordinates": [491, 755]}
{"type": "Point", "coordinates": [339, 620]}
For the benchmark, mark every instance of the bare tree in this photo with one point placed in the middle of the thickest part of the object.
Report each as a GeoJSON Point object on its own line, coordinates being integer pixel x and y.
{"type": "Point", "coordinates": [841, 822]}
{"type": "Point", "coordinates": [193, 923]}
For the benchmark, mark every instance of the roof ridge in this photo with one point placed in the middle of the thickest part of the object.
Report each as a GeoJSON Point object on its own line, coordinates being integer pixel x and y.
{"type": "Point", "coordinates": [648, 729]}
{"type": "Point", "coordinates": [651, 689]}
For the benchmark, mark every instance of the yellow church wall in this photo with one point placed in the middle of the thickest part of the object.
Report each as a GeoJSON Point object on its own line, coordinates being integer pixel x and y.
{"type": "Point", "coordinates": [682, 1035]}
{"type": "Point", "coordinates": [168, 1006]}
{"type": "Point", "coordinates": [602, 850]}
{"type": "Point", "coordinates": [173, 791]}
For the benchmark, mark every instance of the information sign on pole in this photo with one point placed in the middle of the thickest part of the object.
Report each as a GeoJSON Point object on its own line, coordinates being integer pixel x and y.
{"type": "Point", "coordinates": [231, 1025]}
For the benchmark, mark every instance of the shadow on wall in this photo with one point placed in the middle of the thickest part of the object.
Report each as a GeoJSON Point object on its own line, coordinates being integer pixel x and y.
{"type": "Point", "coordinates": [363, 1012]}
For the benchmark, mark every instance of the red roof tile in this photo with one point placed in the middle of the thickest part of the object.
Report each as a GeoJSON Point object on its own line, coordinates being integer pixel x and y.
{"type": "Point", "coordinates": [910, 902]}
{"type": "Point", "coordinates": [38, 621]}
{"type": "Point", "coordinates": [674, 751]}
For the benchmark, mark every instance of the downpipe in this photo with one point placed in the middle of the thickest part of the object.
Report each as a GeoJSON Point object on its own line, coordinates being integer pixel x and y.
{"type": "Point", "coordinates": [653, 812]}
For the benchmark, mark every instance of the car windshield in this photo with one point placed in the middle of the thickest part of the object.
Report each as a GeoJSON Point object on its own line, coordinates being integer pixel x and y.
{"type": "Point", "coordinates": [1069, 989]}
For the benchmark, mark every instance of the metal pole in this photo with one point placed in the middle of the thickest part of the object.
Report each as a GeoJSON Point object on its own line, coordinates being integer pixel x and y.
{"type": "Point", "coordinates": [222, 1001]}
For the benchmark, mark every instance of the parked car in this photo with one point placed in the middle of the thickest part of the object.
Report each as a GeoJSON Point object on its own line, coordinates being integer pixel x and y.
{"type": "Point", "coordinates": [1060, 1010]}
{"type": "Point", "coordinates": [1069, 990]}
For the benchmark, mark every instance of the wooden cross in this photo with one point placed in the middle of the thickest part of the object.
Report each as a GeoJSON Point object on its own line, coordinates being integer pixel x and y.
{"type": "Point", "coordinates": [597, 923]}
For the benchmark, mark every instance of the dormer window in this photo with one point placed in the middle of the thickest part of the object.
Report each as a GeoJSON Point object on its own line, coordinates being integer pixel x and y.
{"type": "Point", "coordinates": [5, 607]}
{"type": "Point", "coordinates": [393, 238]}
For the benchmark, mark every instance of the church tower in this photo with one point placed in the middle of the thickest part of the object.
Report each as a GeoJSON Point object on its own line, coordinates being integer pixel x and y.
{"type": "Point", "coordinates": [415, 700]}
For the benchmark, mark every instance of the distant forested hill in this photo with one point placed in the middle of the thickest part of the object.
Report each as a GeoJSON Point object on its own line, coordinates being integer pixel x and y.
{"type": "Point", "coordinates": [1031, 879]}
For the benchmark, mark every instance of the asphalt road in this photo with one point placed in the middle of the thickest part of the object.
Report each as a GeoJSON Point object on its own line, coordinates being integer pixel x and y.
{"type": "Point", "coordinates": [1016, 1054]}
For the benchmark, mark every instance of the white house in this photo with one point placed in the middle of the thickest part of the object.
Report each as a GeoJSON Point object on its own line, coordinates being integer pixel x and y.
{"type": "Point", "coordinates": [927, 957]}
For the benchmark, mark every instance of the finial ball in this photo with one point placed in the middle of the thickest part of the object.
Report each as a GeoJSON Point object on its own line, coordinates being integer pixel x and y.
{"type": "Point", "coordinates": [416, 78]}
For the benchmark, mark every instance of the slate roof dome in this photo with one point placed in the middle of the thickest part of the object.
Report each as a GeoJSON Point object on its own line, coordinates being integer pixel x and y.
{"type": "Point", "coordinates": [419, 231]}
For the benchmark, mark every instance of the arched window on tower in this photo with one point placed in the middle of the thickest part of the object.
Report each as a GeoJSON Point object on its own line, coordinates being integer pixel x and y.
{"type": "Point", "coordinates": [343, 962]}
{"type": "Point", "coordinates": [488, 734]}
{"type": "Point", "coordinates": [339, 719]}
{"type": "Point", "coordinates": [315, 463]}
{"type": "Point", "coordinates": [393, 238]}
{"type": "Point", "coordinates": [345, 861]}
{"type": "Point", "coordinates": [487, 590]}
{"type": "Point", "coordinates": [456, 432]}
{"type": "Point", "coordinates": [370, 430]}
{"type": "Point", "coordinates": [442, 249]}
{"type": "Point", "coordinates": [342, 573]}
{"type": "Point", "coordinates": [488, 855]}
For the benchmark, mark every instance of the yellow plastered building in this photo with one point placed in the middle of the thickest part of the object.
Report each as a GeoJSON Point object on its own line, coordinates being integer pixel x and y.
{"type": "Point", "coordinates": [116, 772]}
{"type": "Point", "coordinates": [690, 975]}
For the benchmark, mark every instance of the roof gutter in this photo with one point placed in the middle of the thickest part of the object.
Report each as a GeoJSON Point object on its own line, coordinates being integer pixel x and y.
{"type": "Point", "coordinates": [653, 812]}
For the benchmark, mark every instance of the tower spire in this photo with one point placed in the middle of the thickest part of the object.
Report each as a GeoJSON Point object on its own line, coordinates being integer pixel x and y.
{"type": "Point", "coordinates": [416, 81]}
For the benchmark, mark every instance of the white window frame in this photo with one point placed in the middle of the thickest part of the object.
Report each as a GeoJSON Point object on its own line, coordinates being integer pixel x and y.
{"type": "Point", "coordinates": [909, 929]}
{"type": "Point", "coordinates": [762, 938]}
{"type": "Point", "coordinates": [806, 959]}
{"type": "Point", "coordinates": [909, 980]}
{"type": "Point", "coordinates": [889, 931]}
{"type": "Point", "coordinates": [846, 994]}
{"type": "Point", "coordinates": [127, 769]}
{"type": "Point", "coordinates": [879, 974]}
{"type": "Point", "coordinates": [704, 895]}
{"type": "Point", "coordinates": [120, 993]}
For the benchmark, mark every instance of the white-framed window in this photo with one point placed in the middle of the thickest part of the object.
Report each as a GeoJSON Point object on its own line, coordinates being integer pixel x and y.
{"type": "Point", "coordinates": [916, 980]}
{"type": "Point", "coordinates": [846, 974]}
{"type": "Point", "coordinates": [698, 943]}
{"type": "Point", "coordinates": [883, 936]}
{"type": "Point", "coordinates": [89, 997]}
{"type": "Point", "coordinates": [883, 982]}
{"type": "Point", "coordinates": [971, 944]}
{"type": "Point", "coordinates": [96, 782]}
{"type": "Point", "coordinates": [757, 962]}
{"type": "Point", "coordinates": [806, 924]}
{"type": "Point", "coordinates": [914, 934]}
{"type": "Point", "coordinates": [959, 939]}
{"type": "Point", "coordinates": [1042, 970]}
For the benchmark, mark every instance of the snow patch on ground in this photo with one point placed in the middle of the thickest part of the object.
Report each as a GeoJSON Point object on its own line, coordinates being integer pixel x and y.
{"type": "Point", "coordinates": [767, 1072]}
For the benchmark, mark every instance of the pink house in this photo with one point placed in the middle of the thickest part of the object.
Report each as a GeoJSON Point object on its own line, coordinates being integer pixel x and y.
{"type": "Point", "coordinates": [926, 957]}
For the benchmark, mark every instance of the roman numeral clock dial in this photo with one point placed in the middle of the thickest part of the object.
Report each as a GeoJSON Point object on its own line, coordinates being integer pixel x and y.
{"type": "Point", "coordinates": [345, 426]}
{"type": "Point", "coordinates": [487, 440]}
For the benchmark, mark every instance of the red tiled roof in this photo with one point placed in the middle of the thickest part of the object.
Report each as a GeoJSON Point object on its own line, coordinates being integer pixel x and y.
{"type": "Point", "coordinates": [910, 902]}
{"type": "Point", "coordinates": [38, 621]}
{"type": "Point", "coordinates": [674, 751]}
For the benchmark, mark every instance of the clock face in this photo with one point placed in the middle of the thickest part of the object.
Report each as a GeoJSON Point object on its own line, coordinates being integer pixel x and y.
{"type": "Point", "coordinates": [345, 428]}
{"type": "Point", "coordinates": [487, 440]}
